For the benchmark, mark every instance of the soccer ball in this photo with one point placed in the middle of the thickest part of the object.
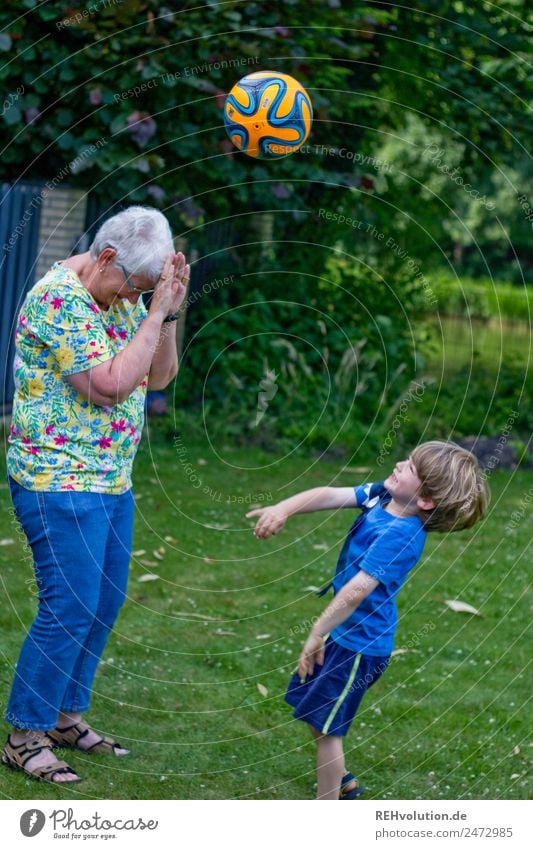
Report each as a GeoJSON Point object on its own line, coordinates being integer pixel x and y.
{"type": "Point", "coordinates": [268, 114]}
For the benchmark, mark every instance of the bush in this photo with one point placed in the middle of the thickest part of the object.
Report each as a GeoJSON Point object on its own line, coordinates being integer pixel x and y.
{"type": "Point", "coordinates": [315, 363]}
{"type": "Point", "coordinates": [468, 404]}
{"type": "Point", "coordinates": [481, 298]}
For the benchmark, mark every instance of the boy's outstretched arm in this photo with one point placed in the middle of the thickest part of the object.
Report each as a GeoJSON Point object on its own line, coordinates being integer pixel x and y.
{"type": "Point", "coordinates": [342, 606]}
{"type": "Point", "coordinates": [272, 518]}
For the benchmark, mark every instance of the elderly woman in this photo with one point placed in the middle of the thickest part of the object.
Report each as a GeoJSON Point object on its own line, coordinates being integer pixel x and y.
{"type": "Point", "coordinates": [86, 352]}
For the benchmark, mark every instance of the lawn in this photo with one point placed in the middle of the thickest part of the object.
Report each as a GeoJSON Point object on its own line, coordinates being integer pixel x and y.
{"type": "Point", "coordinates": [194, 674]}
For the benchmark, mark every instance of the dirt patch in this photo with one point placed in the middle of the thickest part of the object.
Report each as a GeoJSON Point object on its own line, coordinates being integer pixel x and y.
{"type": "Point", "coordinates": [492, 452]}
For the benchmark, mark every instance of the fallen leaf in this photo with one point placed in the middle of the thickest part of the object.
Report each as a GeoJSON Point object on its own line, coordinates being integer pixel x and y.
{"type": "Point", "coordinates": [144, 578]}
{"type": "Point", "coordinates": [139, 552]}
{"type": "Point", "coordinates": [404, 651]}
{"type": "Point", "coordinates": [461, 607]}
{"type": "Point", "coordinates": [311, 589]}
{"type": "Point", "coordinates": [262, 689]}
{"type": "Point", "coordinates": [192, 615]}
{"type": "Point", "coordinates": [222, 633]}
{"type": "Point", "coordinates": [262, 636]}
{"type": "Point", "coordinates": [151, 564]}
{"type": "Point", "coordinates": [516, 775]}
{"type": "Point", "coordinates": [516, 750]}
{"type": "Point", "coordinates": [157, 555]}
{"type": "Point", "coordinates": [208, 560]}
{"type": "Point", "coordinates": [321, 546]}
{"type": "Point", "coordinates": [138, 496]}
{"type": "Point", "coordinates": [168, 538]}
{"type": "Point", "coordinates": [7, 542]}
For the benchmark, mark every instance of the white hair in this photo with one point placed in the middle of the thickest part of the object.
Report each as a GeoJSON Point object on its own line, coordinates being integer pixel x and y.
{"type": "Point", "coordinates": [141, 237]}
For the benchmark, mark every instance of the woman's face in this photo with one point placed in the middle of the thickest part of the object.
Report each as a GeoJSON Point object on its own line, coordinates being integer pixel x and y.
{"type": "Point", "coordinates": [114, 284]}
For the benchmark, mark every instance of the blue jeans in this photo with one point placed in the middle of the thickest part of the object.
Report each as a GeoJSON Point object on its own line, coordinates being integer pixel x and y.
{"type": "Point", "coordinates": [81, 545]}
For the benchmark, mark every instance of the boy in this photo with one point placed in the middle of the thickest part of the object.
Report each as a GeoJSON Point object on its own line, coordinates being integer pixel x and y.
{"type": "Point", "coordinates": [439, 488]}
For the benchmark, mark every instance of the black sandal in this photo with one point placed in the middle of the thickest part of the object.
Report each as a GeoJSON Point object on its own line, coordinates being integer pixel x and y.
{"type": "Point", "coordinates": [17, 757]}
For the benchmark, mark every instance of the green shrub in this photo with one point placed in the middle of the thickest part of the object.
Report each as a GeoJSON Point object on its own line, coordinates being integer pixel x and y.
{"type": "Point", "coordinates": [314, 363]}
{"type": "Point", "coordinates": [477, 403]}
{"type": "Point", "coordinates": [481, 298]}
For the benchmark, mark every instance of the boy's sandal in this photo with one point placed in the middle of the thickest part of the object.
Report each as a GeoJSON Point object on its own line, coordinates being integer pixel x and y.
{"type": "Point", "coordinates": [18, 757]}
{"type": "Point", "coordinates": [353, 792]}
{"type": "Point", "coordinates": [70, 738]}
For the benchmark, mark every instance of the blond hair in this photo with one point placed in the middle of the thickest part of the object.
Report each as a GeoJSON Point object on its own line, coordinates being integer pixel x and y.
{"type": "Point", "coordinates": [452, 479]}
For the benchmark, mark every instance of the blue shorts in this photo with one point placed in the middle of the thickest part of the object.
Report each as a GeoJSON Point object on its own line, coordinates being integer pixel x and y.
{"type": "Point", "coordinates": [329, 698]}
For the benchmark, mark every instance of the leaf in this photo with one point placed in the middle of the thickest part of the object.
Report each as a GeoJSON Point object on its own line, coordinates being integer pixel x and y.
{"type": "Point", "coordinates": [461, 607]}
{"type": "Point", "coordinates": [168, 538]}
{"type": "Point", "coordinates": [208, 560]}
{"type": "Point", "coordinates": [321, 546]}
{"type": "Point", "coordinates": [262, 689]}
{"type": "Point", "coordinates": [189, 614]}
{"type": "Point", "coordinates": [262, 636]}
{"type": "Point", "coordinates": [13, 115]}
{"type": "Point", "coordinates": [139, 552]}
{"type": "Point", "coordinates": [7, 542]}
{"type": "Point", "coordinates": [150, 564]}
{"type": "Point", "coordinates": [311, 589]}
{"type": "Point", "coordinates": [144, 578]}
{"type": "Point", "coordinates": [222, 633]}
{"type": "Point", "coordinates": [157, 554]}
{"type": "Point", "coordinates": [404, 651]}
{"type": "Point", "coordinates": [516, 750]}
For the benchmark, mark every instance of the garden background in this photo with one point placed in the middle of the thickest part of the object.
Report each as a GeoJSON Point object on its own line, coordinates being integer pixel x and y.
{"type": "Point", "coordinates": [373, 290]}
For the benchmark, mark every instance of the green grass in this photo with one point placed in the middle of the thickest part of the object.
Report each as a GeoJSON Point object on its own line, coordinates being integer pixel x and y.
{"type": "Point", "coordinates": [446, 721]}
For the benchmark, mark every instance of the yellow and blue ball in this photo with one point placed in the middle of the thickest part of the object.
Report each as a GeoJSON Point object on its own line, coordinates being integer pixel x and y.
{"type": "Point", "coordinates": [268, 114]}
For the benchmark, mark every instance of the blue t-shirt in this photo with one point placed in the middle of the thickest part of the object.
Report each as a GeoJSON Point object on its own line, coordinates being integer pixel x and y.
{"type": "Point", "coordinates": [386, 547]}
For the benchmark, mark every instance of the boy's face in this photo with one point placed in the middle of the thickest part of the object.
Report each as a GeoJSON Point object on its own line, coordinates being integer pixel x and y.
{"type": "Point", "coordinates": [404, 484]}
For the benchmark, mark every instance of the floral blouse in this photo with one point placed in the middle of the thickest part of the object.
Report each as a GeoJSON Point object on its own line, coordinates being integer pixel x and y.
{"type": "Point", "coordinates": [59, 440]}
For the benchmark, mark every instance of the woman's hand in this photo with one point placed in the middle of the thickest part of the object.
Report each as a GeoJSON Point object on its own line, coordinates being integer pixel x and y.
{"type": "Point", "coordinates": [271, 520]}
{"type": "Point", "coordinates": [171, 288]}
{"type": "Point", "coordinates": [312, 652]}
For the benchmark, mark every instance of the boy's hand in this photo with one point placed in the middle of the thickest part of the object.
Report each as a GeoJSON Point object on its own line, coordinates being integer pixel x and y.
{"type": "Point", "coordinates": [271, 520]}
{"type": "Point", "coordinates": [312, 652]}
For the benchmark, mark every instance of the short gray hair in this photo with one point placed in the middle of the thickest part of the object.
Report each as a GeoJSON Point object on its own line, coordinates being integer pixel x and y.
{"type": "Point", "coordinates": [141, 237]}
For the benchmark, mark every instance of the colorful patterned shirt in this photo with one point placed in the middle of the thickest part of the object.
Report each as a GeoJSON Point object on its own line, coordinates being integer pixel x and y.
{"type": "Point", "coordinates": [59, 440]}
